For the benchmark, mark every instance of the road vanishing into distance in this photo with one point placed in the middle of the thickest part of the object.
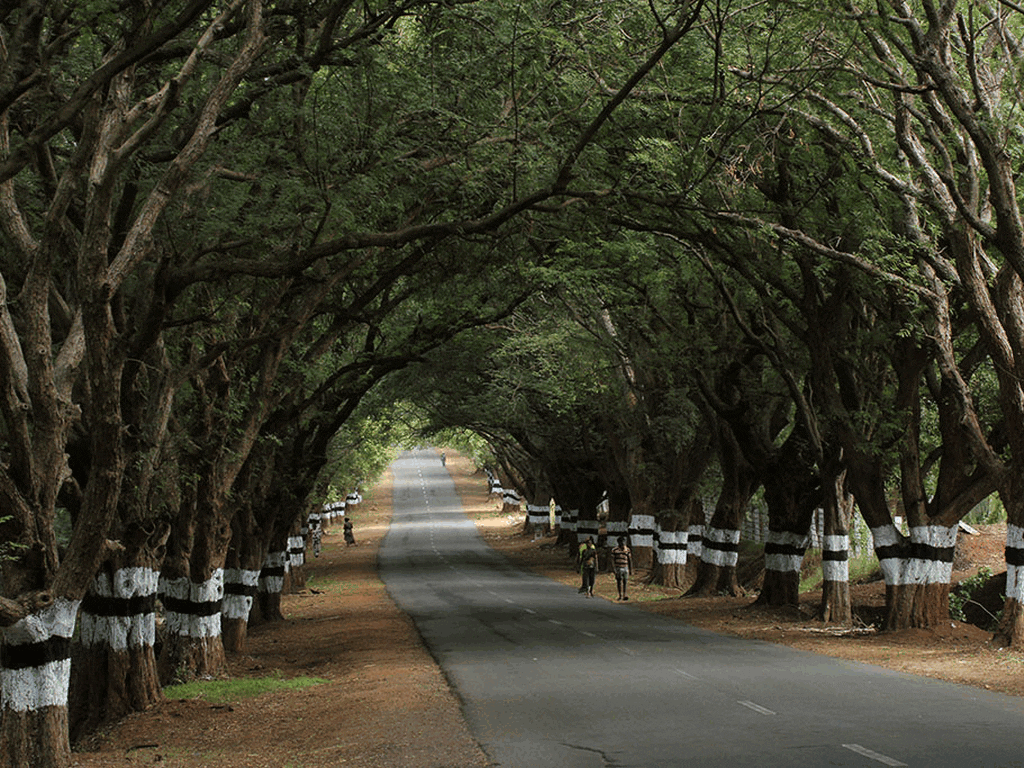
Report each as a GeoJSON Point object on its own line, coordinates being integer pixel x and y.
{"type": "Point", "coordinates": [551, 679]}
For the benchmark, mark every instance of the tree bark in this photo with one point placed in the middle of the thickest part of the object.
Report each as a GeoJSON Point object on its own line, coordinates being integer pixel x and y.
{"type": "Point", "coordinates": [114, 671]}
{"type": "Point", "coordinates": [917, 571]}
{"type": "Point", "coordinates": [719, 554]}
{"type": "Point", "coordinates": [36, 671]}
{"type": "Point", "coordinates": [270, 586]}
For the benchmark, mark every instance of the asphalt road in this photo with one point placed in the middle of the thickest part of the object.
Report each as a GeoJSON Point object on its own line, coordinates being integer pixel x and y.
{"type": "Point", "coordinates": [551, 679]}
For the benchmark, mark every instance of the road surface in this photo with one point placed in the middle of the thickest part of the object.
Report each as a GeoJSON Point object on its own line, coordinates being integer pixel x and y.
{"type": "Point", "coordinates": [552, 679]}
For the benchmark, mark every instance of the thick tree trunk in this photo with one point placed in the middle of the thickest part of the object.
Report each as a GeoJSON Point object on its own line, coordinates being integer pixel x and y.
{"type": "Point", "coordinates": [836, 606]}
{"type": "Point", "coordinates": [670, 562]}
{"type": "Point", "coordinates": [34, 678]}
{"type": "Point", "coordinates": [917, 574]}
{"type": "Point", "coordinates": [719, 554]}
{"type": "Point", "coordinates": [296, 579]}
{"type": "Point", "coordinates": [511, 502]}
{"type": "Point", "coordinates": [240, 587]}
{"type": "Point", "coordinates": [270, 586]}
{"type": "Point", "coordinates": [1010, 632]}
{"type": "Point", "coordinates": [642, 531]}
{"type": "Point", "coordinates": [783, 559]}
{"type": "Point", "coordinates": [114, 671]}
{"type": "Point", "coordinates": [192, 646]}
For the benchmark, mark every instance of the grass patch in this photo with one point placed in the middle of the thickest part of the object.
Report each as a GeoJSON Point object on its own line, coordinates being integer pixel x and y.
{"type": "Point", "coordinates": [224, 691]}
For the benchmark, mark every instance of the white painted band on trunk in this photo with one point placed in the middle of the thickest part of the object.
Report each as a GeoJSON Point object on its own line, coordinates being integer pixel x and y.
{"type": "Point", "coordinates": [723, 558]}
{"type": "Point", "coordinates": [1014, 536]}
{"type": "Point", "coordinates": [885, 536]}
{"type": "Point", "coordinates": [669, 551]}
{"type": "Point", "coordinates": [296, 551]}
{"type": "Point", "coordinates": [722, 535]}
{"type": "Point", "coordinates": [891, 568]}
{"type": "Point", "coordinates": [718, 557]}
{"type": "Point", "coordinates": [33, 688]}
{"type": "Point", "coordinates": [643, 527]}
{"type": "Point", "coordinates": [918, 571]}
{"type": "Point", "coordinates": [272, 583]}
{"type": "Point", "coordinates": [191, 625]}
{"type": "Point", "coordinates": [835, 543]}
{"type": "Point", "coordinates": [121, 632]}
{"type": "Point", "coordinates": [1015, 583]}
{"type": "Point", "coordinates": [238, 606]}
{"type": "Point", "coordinates": [672, 556]}
{"type": "Point", "coordinates": [1014, 573]}
{"type": "Point", "coordinates": [538, 514]}
{"type": "Point", "coordinates": [835, 570]}
{"type": "Point", "coordinates": [695, 543]}
{"type": "Point", "coordinates": [931, 570]}
{"type": "Point", "coordinates": [934, 535]}
{"type": "Point", "coordinates": [617, 527]}
{"type": "Point", "coordinates": [783, 563]}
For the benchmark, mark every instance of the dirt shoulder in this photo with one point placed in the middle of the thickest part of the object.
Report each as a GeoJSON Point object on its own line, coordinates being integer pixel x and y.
{"type": "Point", "coordinates": [384, 701]}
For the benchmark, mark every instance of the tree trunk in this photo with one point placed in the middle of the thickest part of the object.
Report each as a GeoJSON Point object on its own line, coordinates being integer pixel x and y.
{"type": "Point", "coordinates": [240, 586]}
{"type": "Point", "coordinates": [1010, 632]}
{"type": "Point", "coordinates": [783, 558]}
{"type": "Point", "coordinates": [719, 553]}
{"type": "Point", "coordinates": [670, 563]}
{"type": "Point", "coordinates": [836, 606]}
{"type": "Point", "coordinates": [917, 574]}
{"type": "Point", "coordinates": [296, 579]}
{"type": "Point", "coordinates": [114, 671]}
{"type": "Point", "coordinates": [192, 647]}
{"type": "Point", "coordinates": [642, 530]}
{"type": "Point", "coordinates": [270, 585]}
{"type": "Point", "coordinates": [35, 670]}
{"type": "Point", "coordinates": [837, 503]}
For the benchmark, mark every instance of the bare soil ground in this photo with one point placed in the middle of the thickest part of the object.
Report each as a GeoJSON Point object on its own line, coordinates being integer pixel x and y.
{"type": "Point", "coordinates": [385, 702]}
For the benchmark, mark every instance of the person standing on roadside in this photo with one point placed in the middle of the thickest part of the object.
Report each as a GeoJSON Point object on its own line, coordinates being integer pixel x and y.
{"type": "Point", "coordinates": [622, 565]}
{"type": "Point", "coordinates": [588, 565]}
{"type": "Point", "coordinates": [350, 538]}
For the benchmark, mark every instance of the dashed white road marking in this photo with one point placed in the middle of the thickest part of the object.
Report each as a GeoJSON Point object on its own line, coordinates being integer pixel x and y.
{"type": "Point", "coordinates": [685, 674]}
{"type": "Point", "coordinates": [588, 634]}
{"type": "Point", "coordinates": [556, 621]}
{"type": "Point", "coordinates": [756, 707]}
{"type": "Point", "coordinates": [878, 758]}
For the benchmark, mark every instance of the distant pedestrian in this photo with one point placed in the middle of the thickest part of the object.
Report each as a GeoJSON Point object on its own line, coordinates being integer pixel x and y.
{"type": "Point", "coordinates": [316, 533]}
{"type": "Point", "coordinates": [350, 538]}
{"type": "Point", "coordinates": [443, 459]}
{"type": "Point", "coordinates": [622, 564]}
{"type": "Point", "coordinates": [588, 566]}
{"type": "Point", "coordinates": [579, 566]}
